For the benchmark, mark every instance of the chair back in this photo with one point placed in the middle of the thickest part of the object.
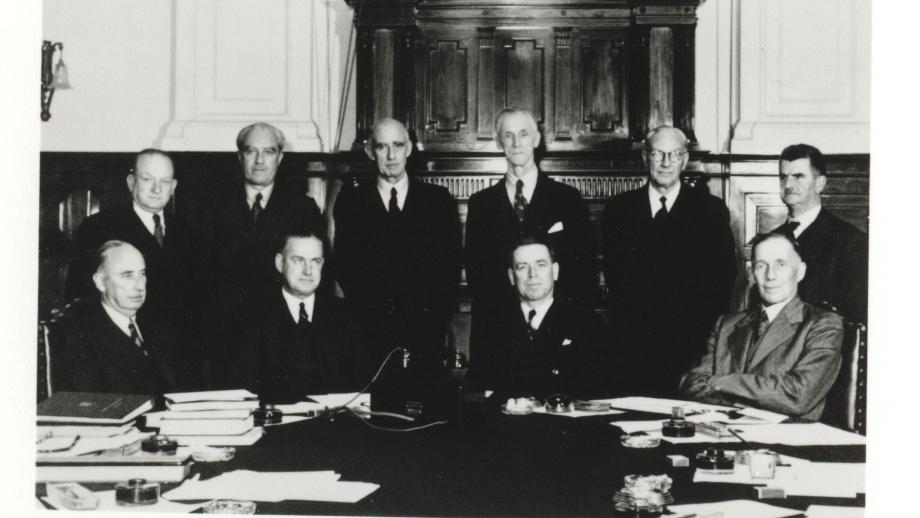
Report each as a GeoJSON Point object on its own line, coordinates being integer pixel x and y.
{"type": "Point", "coordinates": [845, 406]}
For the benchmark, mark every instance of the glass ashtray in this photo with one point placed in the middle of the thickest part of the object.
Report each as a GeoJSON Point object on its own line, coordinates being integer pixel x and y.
{"type": "Point", "coordinates": [212, 454]}
{"type": "Point", "coordinates": [230, 507]}
{"type": "Point", "coordinates": [640, 440]}
{"type": "Point", "coordinates": [519, 406]}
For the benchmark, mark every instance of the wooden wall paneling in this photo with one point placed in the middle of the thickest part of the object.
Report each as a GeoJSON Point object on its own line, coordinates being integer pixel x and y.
{"type": "Point", "coordinates": [521, 72]}
{"type": "Point", "coordinates": [566, 84]}
{"type": "Point", "coordinates": [447, 63]}
{"type": "Point", "coordinates": [661, 78]}
{"type": "Point", "coordinates": [604, 78]}
{"type": "Point", "coordinates": [364, 96]}
{"type": "Point", "coordinates": [384, 68]}
{"type": "Point", "coordinates": [639, 84]}
{"type": "Point", "coordinates": [486, 104]}
{"type": "Point", "coordinates": [684, 80]}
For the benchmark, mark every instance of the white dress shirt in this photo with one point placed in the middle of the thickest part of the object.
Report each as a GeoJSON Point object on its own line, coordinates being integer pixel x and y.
{"type": "Point", "coordinates": [654, 198]}
{"type": "Point", "coordinates": [252, 191]}
{"type": "Point", "coordinates": [147, 219]}
{"type": "Point", "coordinates": [542, 308]}
{"type": "Point", "coordinates": [293, 304]}
{"type": "Point", "coordinates": [774, 309]}
{"type": "Point", "coordinates": [402, 189]}
{"type": "Point", "coordinates": [805, 219]}
{"type": "Point", "coordinates": [530, 183]}
{"type": "Point", "coordinates": [122, 320]}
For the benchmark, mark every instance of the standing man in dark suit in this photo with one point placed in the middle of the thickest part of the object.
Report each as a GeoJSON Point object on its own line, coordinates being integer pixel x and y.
{"type": "Point", "coordinates": [243, 227]}
{"type": "Point", "coordinates": [524, 202]}
{"type": "Point", "coordinates": [669, 263]}
{"type": "Point", "coordinates": [162, 237]}
{"type": "Point", "coordinates": [295, 341]}
{"type": "Point", "coordinates": [782, 355]}
{"type": "Point", "coordinates": [538, 344]}
{"type": "Point", "coordinates": [108, 345]}
{"type": "Point", "coordinates": [398, 249]}
{"type": "Point", "coordinates": [837, 253]}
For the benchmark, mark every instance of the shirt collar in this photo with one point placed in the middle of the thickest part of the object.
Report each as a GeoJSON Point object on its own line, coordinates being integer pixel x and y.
{"type": "Point", "coordinates": [530, 183]}
{"type": "Point", "coordinates": [252, 191]}
{"type": "Point", "coordinates": [805, 219]}
{"type": "Point", "coordinates": [402, 189]}
{"type": "Point", "coordinates": [293, 304]}
{"type": "Point", "coordinates": [147, 217]}
{"type": "Point", "coordinates": [541, 308]}
{"type": "Point", "coordinates": [121, 320]}
{"type": "Point", "coordinates": [654, 198]}
{"type": "Point", "coordinates": [774, 309]}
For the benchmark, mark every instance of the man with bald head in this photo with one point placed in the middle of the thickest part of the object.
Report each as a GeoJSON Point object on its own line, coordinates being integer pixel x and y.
{"type": "Point", "coordinates": [782, 354]}
{"type": "Point", "coordinates": [163, 237]}
{"type": "Point", "coordinates": [109, 344]}
{"type": "Point", "coordinates": [524, 202]}
{"type": "Point", "coordinates": [242, 227]}
{"type": "Point", "coordinates": [669, 263]}
{"type": "Point", "coordinates": [398, 247]}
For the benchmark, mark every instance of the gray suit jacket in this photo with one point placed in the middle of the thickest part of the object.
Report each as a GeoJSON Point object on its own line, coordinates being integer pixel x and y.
{"type": "Point", "coordinates": [792, 368]}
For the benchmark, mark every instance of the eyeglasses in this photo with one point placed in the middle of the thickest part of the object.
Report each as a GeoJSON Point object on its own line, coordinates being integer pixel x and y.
{"type": "Point", "coordinates": [675, 155]}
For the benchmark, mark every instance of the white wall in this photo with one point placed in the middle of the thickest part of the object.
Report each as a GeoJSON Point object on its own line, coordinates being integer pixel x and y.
{"type": "Point", "coordinates": [118, 57]}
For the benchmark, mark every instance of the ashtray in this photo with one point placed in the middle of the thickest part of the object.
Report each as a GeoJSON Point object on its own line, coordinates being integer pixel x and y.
{"type": "Point", "coordinates": [640, 440]}
{"type": "Point", "coordinates": [645, 495]}
{"type": "Point", "coordinates": [229, 507]}
{"type": "Point", "coordinates": [212, 454]}
{"type": "Point", "coordinates": [519, 406]}
{"type": "Point", "coordinates": [558, 404]}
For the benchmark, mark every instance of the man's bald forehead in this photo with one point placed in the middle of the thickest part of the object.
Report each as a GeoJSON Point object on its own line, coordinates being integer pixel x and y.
{"type": "Point", "coordinates": [666, 133]}
{"type": "Point", "coordinates": [388, 123]}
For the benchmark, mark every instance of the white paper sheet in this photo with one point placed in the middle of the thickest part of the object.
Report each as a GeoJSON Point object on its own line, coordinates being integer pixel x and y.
{"type": "Point", "coordinates": [764, 415]}
{"type": "Point", "coordinates": [834, 511]}
{"type": "Point", "coordinates": [638, 426]}
{"type": "Point", "coordinates": [321, 486]}
{"type": "Point", "coordinates": [90, 444]}
{"type": "Point", "coordinates": [107, 503]}
{"type": "Point", "coordinates": [731, 509]}
{"type": "Point", "coordinates": [249, 438]}
{"type": "Point", "coordinates": [798, 434]}
{"type": "Point", "coordinates": [334, 400]}
{"type": "Point", "coordinates": [660, 406]}
{"type": "Point", "coordinates": [576, 413]}
{"type": "Point", "coordinates": [828, 479]}
{"type": "Point", "coordinates": [653, 429]}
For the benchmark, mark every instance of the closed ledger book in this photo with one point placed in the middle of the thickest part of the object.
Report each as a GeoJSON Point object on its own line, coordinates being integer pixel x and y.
{"type": "Point", "coordinates": [92, 408]}
{"type": "Point", "coordinates": [113, 468]}
{"type": "Point", "coordinates": [221, 423]}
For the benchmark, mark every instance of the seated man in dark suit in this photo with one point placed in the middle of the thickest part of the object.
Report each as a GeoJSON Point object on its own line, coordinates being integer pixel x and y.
{"type": "Point", "coordinates": [293, 341]}
{"type": "Point", "coordinates": [539, 344]}
{"type": "Point", "coordinates": [109, 345]}
{"type": "Point", "coordinates": [837, 253]}
{"type": "Point", "coordinates": [162, 237]}
{"type": "Point", "coordinates": [782, 356]}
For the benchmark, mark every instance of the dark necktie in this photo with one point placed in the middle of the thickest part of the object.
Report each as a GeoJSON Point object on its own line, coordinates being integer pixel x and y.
{"type": "Point", "coordinates": [790, 227]}
{"type": "Point", "coordinates": [520, 202]}
{"type": "Point", "coordinates": [158, 230]}
{"type": "Point", "coordinates": [662, 213]}
{"type": "Point", "coordinates": [136, 338]}
{"type": "Point", "coordinates": [531, 332]}
{"type": "Point", "coordinates": [394, 203]}
{"type": "Point", "coordinates": [303, 320]}
{"type": "Point", "coordinates": [256, 210]}
{"type": "Point", "coordinates": [759, 327]}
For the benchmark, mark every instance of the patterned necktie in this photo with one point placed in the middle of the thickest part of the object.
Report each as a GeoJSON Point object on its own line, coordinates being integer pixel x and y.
{"type": "Point", "coordinates": [136, 338]}
{"type": "Point", "coordinates": [520, 202]}
{"type": "Point", "coordinates": [759, 327]}
{"type": "Point", "coordinates": [394, 203]}
{"type": "Point", "coordinates": [256, 210]}
{"type": "Point", "coordinates": [158, 230]}
{"type": "Point", "coordinates": [303, 320]}
{"type": "Point", "coordinates": [662, 213]}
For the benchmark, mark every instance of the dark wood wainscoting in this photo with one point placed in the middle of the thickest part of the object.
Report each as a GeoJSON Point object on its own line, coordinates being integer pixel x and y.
{"type": "Point", "coordinates": [74, 185]}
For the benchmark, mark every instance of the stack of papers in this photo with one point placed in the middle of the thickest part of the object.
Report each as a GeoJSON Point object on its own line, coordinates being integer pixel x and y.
{"type": "Point", "coordinates": [731, 509]}
{"type": "Point", "coordinates": [653, 429]}
{"type": "Point", "coordinates": [323, 486]}
{"type": "Point", "coordinates": [799, 434]}
{"type": "Point", "coordinates": [213, 418]}
{"type": "Point", "coordinates": [834, 511]}
{"type": "Point", "coordinates": [800, 478]}
{"type": "Point", "coordinates": [661, 406]}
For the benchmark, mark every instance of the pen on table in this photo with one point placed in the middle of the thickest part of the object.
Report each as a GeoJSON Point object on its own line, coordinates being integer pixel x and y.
{"type": "Point", "coordinates": [737, 434]}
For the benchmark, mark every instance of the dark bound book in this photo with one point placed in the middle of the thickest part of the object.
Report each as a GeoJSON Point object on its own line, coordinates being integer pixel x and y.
{"type": "Point", "coordinates": [92, 408]}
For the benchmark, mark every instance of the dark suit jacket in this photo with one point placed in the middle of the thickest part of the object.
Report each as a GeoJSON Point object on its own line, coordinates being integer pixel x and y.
{"type": "Point", "coordinates": [281, 365]}
{"type": "Point", "coordinates": [402, 273]}
{"type": "Point", "coordinates": [170, 268]}
{"type": "Point", "coordinates": [792, 368]}
{"type": "Point", "coordinates": [240, 254]}
{"type": "Point", "coordinates": [89, 353]}
{"type": "Point", "coordinates": [667, 283]}
{"type": "Point", "coordinates": [562, 356]}
{"type": "Point", "coordinates": [492, 229]}
{"type": "Point", "coordinates": [837, 258]}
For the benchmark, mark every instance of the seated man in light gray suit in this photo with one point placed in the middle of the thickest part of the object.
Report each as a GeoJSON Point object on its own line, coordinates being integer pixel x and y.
{"type": "Point", "coordinates": [781, 356]}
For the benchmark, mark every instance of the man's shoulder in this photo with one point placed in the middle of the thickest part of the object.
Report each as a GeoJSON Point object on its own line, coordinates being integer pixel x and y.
{"type": "Point", "coordinates": [490, 193]}
{"type": "Point", "coordinates": [628, 199]}
{"type": "Point", "coordinates": [818, 314]}
{"type": "Point", "coordinates": [110, 217]}
{"type": "Point", "coordinates": [830, 222]}
{"type": "Point", "coordinates": [429, 190]}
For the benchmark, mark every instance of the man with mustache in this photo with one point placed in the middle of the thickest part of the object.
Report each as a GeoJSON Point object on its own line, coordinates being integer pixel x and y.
{"type": "Point", "coordinates": [108, 344]}
{"type": "Point", "coordinates": [836, 252]}
{"type": "Point", "coordinates": [398, 251]}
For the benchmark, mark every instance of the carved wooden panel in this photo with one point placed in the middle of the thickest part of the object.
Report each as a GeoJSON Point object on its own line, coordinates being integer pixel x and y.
{"type": "Point", "coordinates": [602, 79]}
{"type": "Point", "coordinates": [447, 87]}
{"type": "Point", "coordinates": [522, 67]}
{"type": "Point", "coordinates": [446, 76]}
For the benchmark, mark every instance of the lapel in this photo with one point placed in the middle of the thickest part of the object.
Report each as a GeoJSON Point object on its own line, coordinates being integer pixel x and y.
{"type": "Point", "coordinates": [136, 228]}
{"type": "Point", "coordinates": [779, 333]}
{"type": "Point", "coordinates": [740, 338]}
{"type": "Point", "coordinates": [237, 211]}
{"type": "Point", "coordinates": [641, 207]}
{"type": "Point", "coordinates": [541, 204]}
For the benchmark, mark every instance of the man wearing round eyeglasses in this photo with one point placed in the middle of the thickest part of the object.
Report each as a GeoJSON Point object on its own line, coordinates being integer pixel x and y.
{"type": "Point", "coordinates": [669, 263]}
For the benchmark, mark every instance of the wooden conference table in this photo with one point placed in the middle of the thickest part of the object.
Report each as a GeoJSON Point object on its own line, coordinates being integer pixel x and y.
{"type": "Point", "coordinates": [494, 465]}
